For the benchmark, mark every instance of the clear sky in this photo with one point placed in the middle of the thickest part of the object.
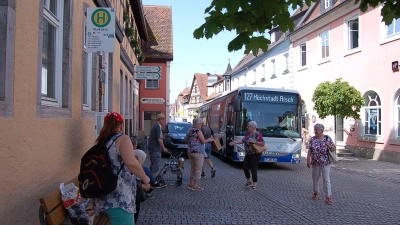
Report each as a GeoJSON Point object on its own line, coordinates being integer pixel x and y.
{"type": "Point", "coordinates": [195, 55]}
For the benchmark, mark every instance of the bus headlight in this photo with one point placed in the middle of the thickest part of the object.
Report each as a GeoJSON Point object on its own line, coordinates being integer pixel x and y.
{"type": "Point", "coordinates": [296, 156]}
{"type": "Point", "coordinates": [241, 154]}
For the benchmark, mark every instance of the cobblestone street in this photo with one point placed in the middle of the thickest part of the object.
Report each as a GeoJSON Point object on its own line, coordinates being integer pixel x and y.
{"type": "Point", "coordinates": [364, 192]}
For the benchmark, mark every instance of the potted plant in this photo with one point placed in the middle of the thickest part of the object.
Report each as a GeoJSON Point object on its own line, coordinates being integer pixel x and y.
{"type": "Point", "coordinates": [140, 58]}
{"type": "Point", "coordinates": [129, 31]}
{"type": "Point", "coordinates": [125, 16]}
{"type": "Point", "coordinates": [138, 51]}
{"type": "Point", "coordinates": [134, 42]}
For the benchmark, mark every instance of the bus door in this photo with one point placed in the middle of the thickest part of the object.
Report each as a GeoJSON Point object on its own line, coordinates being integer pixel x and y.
{"type": "Point", "coordinates": [230, 126]}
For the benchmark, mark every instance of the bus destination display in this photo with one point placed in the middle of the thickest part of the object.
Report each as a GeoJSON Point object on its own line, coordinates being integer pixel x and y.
{"type": "Point", "coordinates": [273, 98]}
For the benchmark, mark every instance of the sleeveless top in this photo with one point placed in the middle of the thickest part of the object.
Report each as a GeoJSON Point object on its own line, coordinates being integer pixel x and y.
{"type": "Point", "coordinates": [195, 145]}
{"type": "Point", "coordinates": [124, 195]}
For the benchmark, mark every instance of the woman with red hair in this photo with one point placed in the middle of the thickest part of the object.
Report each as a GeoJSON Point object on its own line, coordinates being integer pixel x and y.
{"type": "Point", "coordinates": [120, 204]}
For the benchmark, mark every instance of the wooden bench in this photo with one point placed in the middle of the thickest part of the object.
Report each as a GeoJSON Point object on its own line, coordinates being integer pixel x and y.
{"type": "Point", "coordinates": [51, 211]}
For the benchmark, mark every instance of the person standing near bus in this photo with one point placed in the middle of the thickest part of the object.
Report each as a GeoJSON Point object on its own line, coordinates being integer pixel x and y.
{"type": "Point", "coordinates": [208, 132]}
{"type": "Point", "coordinates": [156, 144]}
{"type": "Point", "coordinates": [306, 139]}
{"type": "Point", "coordinates": [196, 141]}
{"type": "Point", "coordinates": [317, 157]}
{"type": "Point", "coordinates": [251, 159]}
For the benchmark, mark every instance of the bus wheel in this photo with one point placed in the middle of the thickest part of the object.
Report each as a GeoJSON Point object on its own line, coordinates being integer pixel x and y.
{"type": "Point", "coordinates": [221, 155]}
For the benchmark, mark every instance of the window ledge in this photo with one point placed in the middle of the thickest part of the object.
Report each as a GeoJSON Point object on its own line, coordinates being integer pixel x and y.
{"type": "Point", "coordinates": [285, 72]}
{"type": "Point", "coordinates": [273, 76]}
{"type": "Point", "coordinates": [324, 61]}
{"type": "Point", "coordinates": [389, 39]}
{"type": "Point", "coordinates": [262, 79]}
{"type": "Point", "coordinates": [302, 68]}
{"type": "Point", "coordinates": [351, 52]}
{"type": "Point", "coordinates": [254, 83]}
{"type": "Point", "coordinates": [368, 138]}
{"type": "Point", "coordinates": [394, 141]}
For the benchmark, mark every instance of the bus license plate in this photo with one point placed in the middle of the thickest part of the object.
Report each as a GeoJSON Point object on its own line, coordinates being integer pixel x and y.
{"type": "Point", "coordinates": [270, 160]}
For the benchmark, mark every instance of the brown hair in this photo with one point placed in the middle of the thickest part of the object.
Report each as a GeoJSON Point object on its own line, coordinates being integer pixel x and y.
{"type": "Point", "coordinates": [110, 126]}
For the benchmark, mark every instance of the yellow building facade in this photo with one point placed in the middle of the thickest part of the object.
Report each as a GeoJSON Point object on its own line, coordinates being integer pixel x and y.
{"type": "Point", "coordinates": [51, 93]}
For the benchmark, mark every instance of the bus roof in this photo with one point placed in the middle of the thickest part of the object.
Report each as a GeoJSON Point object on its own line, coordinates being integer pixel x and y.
{"type": "Point", "coordinates": [222, 94]}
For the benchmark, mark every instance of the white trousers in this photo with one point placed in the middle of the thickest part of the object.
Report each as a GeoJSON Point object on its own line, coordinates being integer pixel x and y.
{"type": "Point", "coordinates": [316, 173]}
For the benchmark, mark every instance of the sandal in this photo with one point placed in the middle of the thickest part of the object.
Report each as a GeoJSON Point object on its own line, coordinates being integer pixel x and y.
{"type": "Point", "coordinates": [248, 184]}
{"type": "Point", "coordinates": [198, 188]}
{"type": "Point", "coordinates": [254, 188]}
{"type": "Point", "coordinates": [315, 196]}
{"type": "Point", "coordinates": [328, 200]}
{"type": "Point", "coordinates": [190, 187]}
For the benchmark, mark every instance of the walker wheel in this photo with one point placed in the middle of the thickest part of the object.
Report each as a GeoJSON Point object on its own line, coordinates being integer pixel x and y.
{"type": "Point", "coordinates": [179, 182]}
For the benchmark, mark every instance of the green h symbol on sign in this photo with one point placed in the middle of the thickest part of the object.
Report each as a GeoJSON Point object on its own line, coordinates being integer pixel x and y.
{"type": "Point", "coordinates": [101, 18]}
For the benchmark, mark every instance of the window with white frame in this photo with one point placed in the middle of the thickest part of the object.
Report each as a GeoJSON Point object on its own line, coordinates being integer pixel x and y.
{"type": "Point", "coordinates": [87, 74]}
{"type": "Point", "coordinates": [324, 43]}
{"type": "Point", "coordinates": [121, 92]}
{"type": "Point", "coordinates": [393, 28]}
{"type": "Point", "coordinates": [303, 54]}
{"type": "Point", "coordinates": [326, 5]}
{"type": "Point", "coordinates": [398, 117]}
{"type": "Point", "coordinates": [273, 68]}
{"type": "Point", "coordinates": [254, 76]}
{"type": "Point", "coordinates": [51, 77]}
{"type": "Point", "coordinates": [126, 97]}
{"type": "Point", "coordinates": [286, 55]}
{"type": "Point", "coordinates": [152, 84]}
{"type": "Point", "coordinates": [353, 33]}
{"type": "Point", "coordinates": [263, 73]}
{"type": "Point", "coordinates": [372, 114]}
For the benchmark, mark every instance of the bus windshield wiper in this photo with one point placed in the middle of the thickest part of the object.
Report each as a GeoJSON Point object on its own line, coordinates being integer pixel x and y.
{"type": "Point", "coordinates": [290, 137]}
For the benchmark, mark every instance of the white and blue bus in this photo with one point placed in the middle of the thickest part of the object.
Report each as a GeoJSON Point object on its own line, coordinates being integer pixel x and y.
{"type": "Point", "coordinates": [277, 112]}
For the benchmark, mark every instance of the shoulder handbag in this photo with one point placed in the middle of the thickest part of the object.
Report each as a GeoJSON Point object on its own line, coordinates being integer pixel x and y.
{"type": "Point", "coordinates": [260, 149]}
{"type": "Point", "coordinates": [331, 154]}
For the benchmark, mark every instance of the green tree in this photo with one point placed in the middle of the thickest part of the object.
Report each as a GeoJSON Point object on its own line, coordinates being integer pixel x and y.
{"type": "Point", "coordinates": [252, 18]}
{"type": "Point", "coordinates": [338, 98]}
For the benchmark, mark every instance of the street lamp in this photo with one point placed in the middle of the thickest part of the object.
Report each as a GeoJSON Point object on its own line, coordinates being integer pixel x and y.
{"type": "Point", "coordinates": [227, 79]}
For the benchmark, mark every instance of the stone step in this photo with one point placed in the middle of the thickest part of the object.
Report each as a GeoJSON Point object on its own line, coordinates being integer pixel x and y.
{"type": "Point", "coordinates": [341, 151]}
{"type": "Point", "coordinates": [339, 154]}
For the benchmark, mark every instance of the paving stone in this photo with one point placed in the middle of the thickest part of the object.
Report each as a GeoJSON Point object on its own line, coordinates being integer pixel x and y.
{"type": "Point", "coordinates": [364, 192]}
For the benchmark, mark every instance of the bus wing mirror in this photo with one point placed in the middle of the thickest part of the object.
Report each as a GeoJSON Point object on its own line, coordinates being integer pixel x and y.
{"type": "Point", "coordinates": [236, 105]}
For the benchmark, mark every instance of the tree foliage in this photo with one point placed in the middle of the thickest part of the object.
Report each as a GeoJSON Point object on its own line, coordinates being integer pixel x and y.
{"type": "Point", "coordinates": [338, 98]}
{"type": "Point", "coordinates": [251, 19]}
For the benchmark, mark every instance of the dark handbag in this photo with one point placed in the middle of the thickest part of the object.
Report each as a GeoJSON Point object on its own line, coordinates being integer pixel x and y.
{"type": "Point", "coordinates": [140, 193]}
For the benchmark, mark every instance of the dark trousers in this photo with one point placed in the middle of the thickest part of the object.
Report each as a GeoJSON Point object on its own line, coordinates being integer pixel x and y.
{"type": "Point", "coordinates": [137, 211]}
{"type": "Point", "coordinates": [250, 163]}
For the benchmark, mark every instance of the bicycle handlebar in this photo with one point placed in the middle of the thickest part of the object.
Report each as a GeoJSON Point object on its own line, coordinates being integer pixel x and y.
{"type": "Point", "coordinates": [172, 155]}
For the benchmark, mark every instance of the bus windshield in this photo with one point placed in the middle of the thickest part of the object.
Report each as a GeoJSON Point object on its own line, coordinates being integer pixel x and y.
{"type": "Point", "coordinates": [273, 119]}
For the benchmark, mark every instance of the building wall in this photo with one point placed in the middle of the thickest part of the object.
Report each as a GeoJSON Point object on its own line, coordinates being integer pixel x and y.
{"type": "Point", "coordinates": [42, 145]}
{"type": "Point", "coordinates": [368, 69]}
{"type": "Point", "coordinates": [160, 92]}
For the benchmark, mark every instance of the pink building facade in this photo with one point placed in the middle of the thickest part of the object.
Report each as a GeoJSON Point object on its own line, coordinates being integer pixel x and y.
{"type": "Point", "coordinates": [337, 40]}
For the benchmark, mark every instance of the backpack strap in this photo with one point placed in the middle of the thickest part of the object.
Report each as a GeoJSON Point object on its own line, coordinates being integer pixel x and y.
{"type": "Point", "coordinates": [113, 139]}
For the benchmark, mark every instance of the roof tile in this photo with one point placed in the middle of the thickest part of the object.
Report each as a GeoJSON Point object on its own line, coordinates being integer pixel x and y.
{"type": "Point", "coordinates": [159, 25]}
